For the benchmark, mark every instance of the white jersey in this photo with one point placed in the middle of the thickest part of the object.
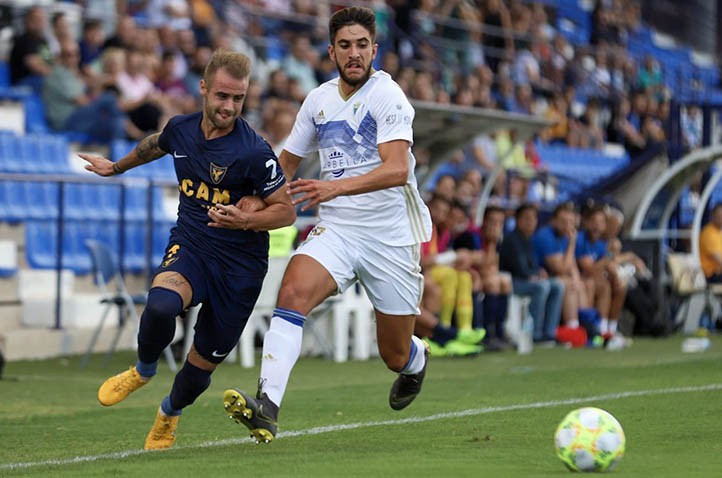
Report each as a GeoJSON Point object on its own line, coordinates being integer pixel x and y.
{"type": "Point", "coordinates": [346, 134]}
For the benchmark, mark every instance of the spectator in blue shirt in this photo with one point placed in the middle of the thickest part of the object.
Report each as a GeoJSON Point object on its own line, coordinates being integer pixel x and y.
{"type": "Point", "coordinates": [528, 278]}
{"type": "Point", "coordinates": [554, 247]}
{"type": "Point", "coordinates": [605, 289]}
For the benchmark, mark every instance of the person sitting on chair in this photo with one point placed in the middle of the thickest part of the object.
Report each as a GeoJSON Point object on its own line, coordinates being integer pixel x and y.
{"type": "Point", "coordinates": [710, 246]}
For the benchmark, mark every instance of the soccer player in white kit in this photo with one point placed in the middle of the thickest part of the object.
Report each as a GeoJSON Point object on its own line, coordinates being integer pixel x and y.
{"type": "Point", "coordinates": [372, 221]}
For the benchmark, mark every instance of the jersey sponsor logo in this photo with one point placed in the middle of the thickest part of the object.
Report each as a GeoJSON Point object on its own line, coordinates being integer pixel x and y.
{"type": "Point", "coordinates": [170, 256]}
{"type": "Point", "coordinates": [179, 156]}
{"type": "Point", "coordinates": [398, 119]}
{"type": "Point", "coordinates": [338, 173]}
{"type": "Point", "coordinates": [317, 231]}
{"type": "Point", "coordinates": [335, 155]}
{"type": "Point", "coordinates": [217, 173]}
{"type": "Point", "coordinates": [201, 190]}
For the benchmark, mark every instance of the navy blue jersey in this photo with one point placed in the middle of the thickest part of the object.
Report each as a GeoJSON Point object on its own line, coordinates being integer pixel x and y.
{"type": "Point", "coordinates": [220, 170]}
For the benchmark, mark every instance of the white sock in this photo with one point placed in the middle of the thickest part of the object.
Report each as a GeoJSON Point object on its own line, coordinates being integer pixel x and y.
{"type": "Point", "coordinates": [572, 324]}
{"type": "Point", "coordinates": [417, 357]}
{"type": "Point", "coordinates": [281, 349]}
{"type": "Point", "coordinates": [612, 327]}
{"type": "Point", "coordinates": [604, 326]}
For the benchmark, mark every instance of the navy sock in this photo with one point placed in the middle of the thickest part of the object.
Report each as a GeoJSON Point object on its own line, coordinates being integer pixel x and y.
{"type": "Point", "coordinates": [188, 385]}
{"type": "Point", "coordinates": [441, 335]}
{"type": "Point", "coordinates": [490, 311]}
{"type": "Point", "coordinates": [157, 324]}
{"type": "Point", "coordinates": [477, 319]}
{"type": "Point", "coordinates": [502, 304]}
{"type": "Point", "coordinates": [168, 409]}
{"type": "Point", "coordinates": [146, 370]}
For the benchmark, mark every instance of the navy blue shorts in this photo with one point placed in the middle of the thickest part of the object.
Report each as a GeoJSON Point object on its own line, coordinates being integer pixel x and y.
{"type": "Point", "coordinates": [228, 297]}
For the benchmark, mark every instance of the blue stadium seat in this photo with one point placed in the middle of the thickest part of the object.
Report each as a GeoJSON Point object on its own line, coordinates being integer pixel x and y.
{"type": "Point", "coordinates": [4, 74]}
{"type": "Point", "coordinates": [41, 244]}
{"type": "Point", "coordinates": [12, 202]}
{"type": "Point", "coordinates": [10, 153]}
{"type": "Point", "coordinates": [161, 234]}
{"type": "Point", "coordinates": [35, 121]}
{"type": "Point", "coordinates": [134, 260]}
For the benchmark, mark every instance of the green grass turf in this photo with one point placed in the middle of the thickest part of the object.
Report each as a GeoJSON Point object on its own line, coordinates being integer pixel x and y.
{"type": "Point", "coordinates": [48, 412]}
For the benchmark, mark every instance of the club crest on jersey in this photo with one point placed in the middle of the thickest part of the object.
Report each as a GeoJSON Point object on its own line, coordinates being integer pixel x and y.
{"type": "Point", "coordinates": [217, 173]}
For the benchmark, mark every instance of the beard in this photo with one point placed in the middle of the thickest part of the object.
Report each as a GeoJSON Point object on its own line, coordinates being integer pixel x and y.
{"type": "Point", "coordinates": [354, 81]}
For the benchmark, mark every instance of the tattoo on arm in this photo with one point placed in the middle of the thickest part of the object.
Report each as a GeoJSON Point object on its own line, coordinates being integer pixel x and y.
{"type": "Point", "coordinates": [148, 149]}
{"type": "Point", "coordinates": [173, 281]}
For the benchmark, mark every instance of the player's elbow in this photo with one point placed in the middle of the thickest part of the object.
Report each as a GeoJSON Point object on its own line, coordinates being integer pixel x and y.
{"type": "Point", "coordinates": [399, 176]}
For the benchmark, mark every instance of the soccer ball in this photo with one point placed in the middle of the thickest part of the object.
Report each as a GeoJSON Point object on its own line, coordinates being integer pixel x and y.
{"type": "Point", "coordinates": [589, 439]}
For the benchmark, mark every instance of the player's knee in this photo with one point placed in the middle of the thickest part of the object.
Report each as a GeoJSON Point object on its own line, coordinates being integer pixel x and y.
{"type": "Point", "coordinates": [163, 304]}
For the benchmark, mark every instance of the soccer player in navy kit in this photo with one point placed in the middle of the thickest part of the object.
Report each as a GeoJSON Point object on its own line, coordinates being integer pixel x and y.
{"type": "Point", "coordinates": [217, 254]}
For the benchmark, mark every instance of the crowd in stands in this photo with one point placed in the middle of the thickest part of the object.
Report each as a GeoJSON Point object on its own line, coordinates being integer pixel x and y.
{"type": "Point", "coordinates": [125, 78]}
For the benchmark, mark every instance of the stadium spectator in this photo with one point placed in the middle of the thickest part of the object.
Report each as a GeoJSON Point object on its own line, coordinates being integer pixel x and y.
{"type": "Point", "coordinates": [91, 46]}
{"type": "Point", "coordinates": [517, 257]}
{"type": "Point", "coordinates": [70, 107]}
{"type": "Point", "coordinates": [443, 341]}
{"type": "Point", "coordinates": [172, 13]}
{"type": "Point", "coordinates": [379, 205]}
{"type": "Point", "coordinates": [606, 290]}
{"type": "Point", "coordinates": [496, 284]}
{"type": "Point", "coordinates": [196, 66]}
{"type": "Point", "coordinates": [558, 132]}
{"type": "Point", "coordinates": [60, 32]}
{"type": "Point", "coordinates": [124, 35]}
{"type": "Point", "coordinates": [179, 100]}
{"type": "Point", "coordinates": [449, 268]}
{"type": "Point", "coordinates": [202, 264]}
{"type": "Point", "coordinates": [497, 37]}
{"type": "Point", "coordinates": [710, 246]}
{"type": "Point", "coordinates": [140, 99]}
{"type": "Point", "coordinates": [30, 57]}
{"type": "Point", "coordinates": [642, 297]}
{"type": "Point", "coordinates": [554, 247]}
{"type": "Point", "coordinates": [300, 64]}
{"type": "Point", "coordinates": [691, 124]}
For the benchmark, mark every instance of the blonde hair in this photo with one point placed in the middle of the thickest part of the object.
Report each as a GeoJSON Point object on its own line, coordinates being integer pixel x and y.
{"type": "Point", "coordinates": [234, 63]}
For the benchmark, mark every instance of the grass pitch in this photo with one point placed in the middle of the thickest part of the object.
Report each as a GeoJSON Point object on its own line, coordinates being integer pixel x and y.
{"type": "Point", "coordinates": [493, 415]}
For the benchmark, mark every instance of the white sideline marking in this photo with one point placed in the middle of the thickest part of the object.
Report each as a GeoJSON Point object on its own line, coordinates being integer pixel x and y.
{"type": "Point", "coordinates": [353, 426]}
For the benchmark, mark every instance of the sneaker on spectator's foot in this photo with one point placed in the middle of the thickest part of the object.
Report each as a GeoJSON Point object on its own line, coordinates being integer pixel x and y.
{"type": "Point", "coordinates": [407, 387]}
{"type": "Point", "coordinates": [118, 387]}
{"type": "Point", "coordinates": [457, 348]}
{"type": "Point", "coordinates": [471, 336]}
{"type": "Point", "coordinates": [162, 435]}
{"type": "Point", "coordinates": [494, 344]}
{"type": "Point", "coordinates": [435, 349]}
{"type": "Point", "coordinates": [616, 342]}
{"type": "Point", "coordinates": [258, 414]}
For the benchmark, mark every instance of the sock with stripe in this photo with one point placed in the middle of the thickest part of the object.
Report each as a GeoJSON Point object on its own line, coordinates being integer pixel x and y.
{"type": "Point", "coordinates": [281, 349]}
{"type": "Point", "coordinates": [417, 358]}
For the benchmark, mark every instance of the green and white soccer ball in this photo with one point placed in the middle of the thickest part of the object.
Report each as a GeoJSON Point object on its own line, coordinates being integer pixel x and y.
{"type": "Point", "coordinates": [589, 439]}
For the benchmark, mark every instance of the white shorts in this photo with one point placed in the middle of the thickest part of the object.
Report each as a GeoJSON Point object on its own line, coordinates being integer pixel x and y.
{"type": "Point", "coordinates": [391, 275]}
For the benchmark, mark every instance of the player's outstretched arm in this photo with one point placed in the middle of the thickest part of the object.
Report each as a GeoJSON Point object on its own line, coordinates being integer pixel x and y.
{"type": "Point", "coordinates": [146, 151]}
{"type": "Point", "coordinates": [393, 172]}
